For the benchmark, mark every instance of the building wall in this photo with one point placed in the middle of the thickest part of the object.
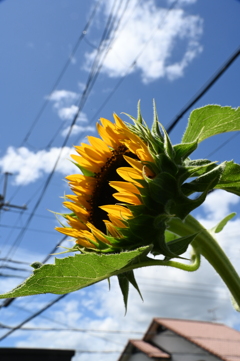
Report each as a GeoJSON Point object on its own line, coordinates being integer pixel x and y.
{"type": "Point", "coordinates": [139, 356]}
{"type": "Point", "coordinates": [181, 349]}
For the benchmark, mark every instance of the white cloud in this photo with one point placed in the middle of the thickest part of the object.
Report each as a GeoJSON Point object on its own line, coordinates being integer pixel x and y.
{"type": "Point", "coordinates": [218, 203]}
{"type": "Point", "coordinates": [78, 129]}
{"type": "Point", "coordinates": [63, 104]}
{"type": "Point", "coordinates": [150, 35]}
{"type": "Point", "coordinates": [29, 166]}
{"type": "Point", "coordinates": [182, 2]}
{"type": "Point", "coordinates": [62, 95]}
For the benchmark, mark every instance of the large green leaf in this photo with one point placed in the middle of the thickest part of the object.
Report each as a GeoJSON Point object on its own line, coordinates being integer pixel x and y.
{"type": "Point", "coordinates": [211, 120]}
{"type": "Point", "coordinates": [72, 273]}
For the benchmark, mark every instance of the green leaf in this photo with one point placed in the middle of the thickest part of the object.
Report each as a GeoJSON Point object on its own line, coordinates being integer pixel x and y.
{"type": "Point", "coordinates": [219, 227]}
{"type": "Point", "coordinates": [211, 120]}
{"type": "Point", "coordinates": [73, 273]}
{"type": "Point", "coordinates": [230, 179]}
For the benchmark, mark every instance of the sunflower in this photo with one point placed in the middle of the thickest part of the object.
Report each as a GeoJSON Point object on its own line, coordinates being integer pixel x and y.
{"type": "Point", "coordinates": [119, 161]}
{"type": "Point", "coordinates": [133, 182]}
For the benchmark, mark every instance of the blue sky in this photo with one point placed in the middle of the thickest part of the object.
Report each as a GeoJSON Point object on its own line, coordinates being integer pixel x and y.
{"type": "Point", "coordinates": [175, 46]}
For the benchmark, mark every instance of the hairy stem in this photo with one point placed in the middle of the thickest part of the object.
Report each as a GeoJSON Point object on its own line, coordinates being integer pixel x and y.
{"type": "Point", "coordinates": [206, 245]}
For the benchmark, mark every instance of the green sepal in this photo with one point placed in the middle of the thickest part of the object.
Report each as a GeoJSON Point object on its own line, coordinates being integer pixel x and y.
{"type": "Point", "coordinates": [179, 245]}
{"type": "Point", "coordinates": [181, 206]}
{"type": "Point", "coordinates": [196, 170]}
{"type": "Point", "coordinates": [219, 227]}
{"type": "Point", "coordinates": [124, 279]}
{"type": "Point", "coordinates": [131, 278]}
{"type": "Point", "coordinates": [203, 182]}
{"type": "Point", "coordinates": [155, 126]}
{"type": "Point", "coordinates": [139, 115]}
{"type": "Point", "coordinates": [124, 287]}
{"type": "Point", "coordinates": [84, 171]}
{"type": "Point", "coordinates": [169, 150]}
{"type": "Point", "coordinates": [165, 164]}
{"type": "Point", "coordinates": [183, 150]}
{"type": "Point", "coordinates": [230, 178]}
{"type": "Point", "coordinates": [163, 187]}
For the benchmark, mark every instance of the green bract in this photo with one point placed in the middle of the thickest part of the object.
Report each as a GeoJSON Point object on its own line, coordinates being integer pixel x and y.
{"type": "Point", "coordinates": [157, 220]}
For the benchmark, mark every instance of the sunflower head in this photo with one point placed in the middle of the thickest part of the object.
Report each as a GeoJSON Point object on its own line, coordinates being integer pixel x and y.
{"type": "Point", "coordinates": [132, 182]}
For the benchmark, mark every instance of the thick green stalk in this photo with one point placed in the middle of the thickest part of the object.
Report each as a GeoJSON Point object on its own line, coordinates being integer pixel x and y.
{"type": "Point", "coordinates": [206, 245]}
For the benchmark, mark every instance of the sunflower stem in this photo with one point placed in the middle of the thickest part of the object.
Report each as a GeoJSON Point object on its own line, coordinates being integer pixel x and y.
{"type": "Point", "coordinates": [206, 245]}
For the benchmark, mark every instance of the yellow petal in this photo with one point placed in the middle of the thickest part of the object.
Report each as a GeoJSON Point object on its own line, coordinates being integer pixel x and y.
{"type": "Point", "coordinates": [124, 187]}
{"type": "Point", "coordinates": [97, 234]}
{"type": "Point", "coordinates": [118, 211]}
{"type": "Point", "coordinates": [71, 232]}
{"type": "Point", "coordinates": [75, 223]}
{"type": "Point", "coordinates": [130, 174]}
{"type": "Point", "coordinates": [134, 163]}
{"type": "Point", "coordinates": [119, 122]}
{"type": "Point", "coordinates": [116, 221]}
{"type": "Point", "coordinates": [99, 144]}
{"type": "Point", "coordinates": [127, 198]}
{"type": "Point", "coordinates": [112, 230]}
{"type": "Point", "coordinates": [80, 212]}
{"type": "Point", "coordinates": [88, 165]}
{"type": "Point", "coordinates": [144, 155]}
{"type": "Point", "coordinates": [104, 135]}
{"type": "Point", "coordinates": [79, 200]}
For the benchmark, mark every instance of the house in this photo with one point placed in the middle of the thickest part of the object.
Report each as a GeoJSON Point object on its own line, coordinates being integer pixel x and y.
{"type": "Point", "coordinates": [184, 340]}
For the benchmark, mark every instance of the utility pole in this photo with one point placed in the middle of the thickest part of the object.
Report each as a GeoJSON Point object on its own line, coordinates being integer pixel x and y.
{"type": "Point", "coordinates": [6, 205]}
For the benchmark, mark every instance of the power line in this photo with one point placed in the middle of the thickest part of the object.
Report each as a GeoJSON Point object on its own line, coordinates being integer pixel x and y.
{"type": "Point", "coordinates": [91, 80]}
{"type": "Point", "coordinates": [62, 72]}
{"type": "Point", "coordinates": [207, 86]}
{"type": "Point", "coordinates": [30, 229]}
{"type": "Point", "coordinates": [223, 144]}
{"type": "Point", "coordinates": [83, 330]}
{"type": "Point", "coordinates": [32, 316]}
{"type": "Point", "coordinates": [14, 261]}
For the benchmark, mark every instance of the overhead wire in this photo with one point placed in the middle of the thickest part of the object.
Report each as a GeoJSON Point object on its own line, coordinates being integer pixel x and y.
{"type": "Point", "coordinates": [83, 98]}
{"type": "Point", "coordinates": [57, 81]}
{"type": "Point", "coordinates": [205, 88]}
{"type": "Point", "coordinates": [63, 70]}
{"type": "Point", "coordinates": [82, 101]}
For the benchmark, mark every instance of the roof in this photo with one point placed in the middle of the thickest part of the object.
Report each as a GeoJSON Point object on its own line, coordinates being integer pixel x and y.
{"type": "Point", "coordinates": [145, 347]}
{"type": "Point", "coordinates": [150, 350]}
{"type": "Point", "coordinates": [218, 339]}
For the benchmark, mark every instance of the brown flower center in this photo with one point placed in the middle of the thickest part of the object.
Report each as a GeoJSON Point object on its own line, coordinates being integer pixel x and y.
{"type": "Point", "coordinates": [103, 193]}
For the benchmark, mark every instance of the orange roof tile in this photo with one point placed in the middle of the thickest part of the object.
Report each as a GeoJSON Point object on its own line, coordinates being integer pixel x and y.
{"type": "Point", "coordinates": [151, 351]}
